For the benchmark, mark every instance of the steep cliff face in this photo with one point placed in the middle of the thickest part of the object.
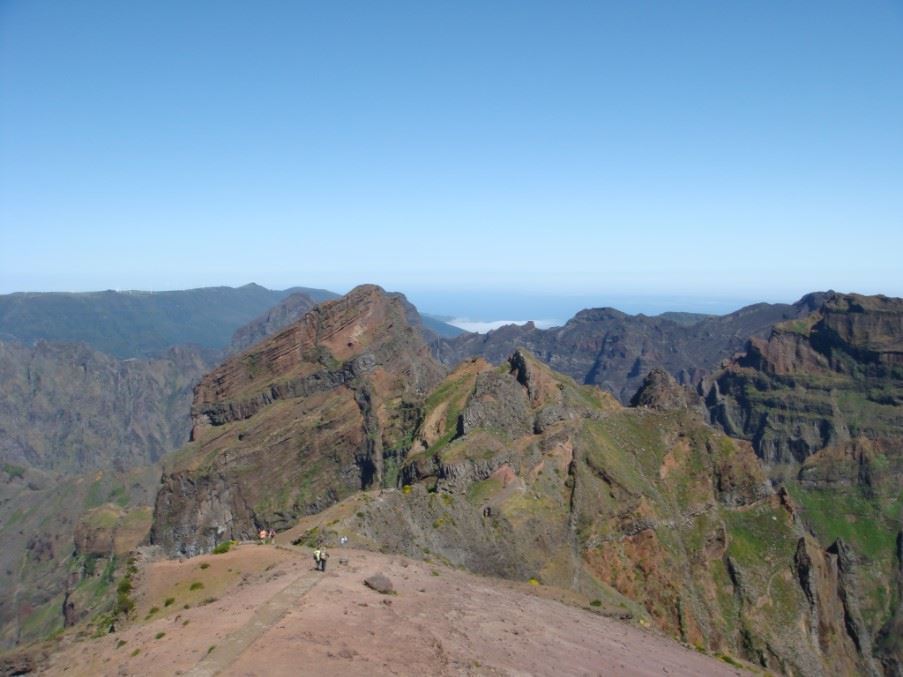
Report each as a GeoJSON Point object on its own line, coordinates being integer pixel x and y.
{"type": "Point", "coordinates": [68, 408]}
{"type": "Point", "coordinates": [614, 350]}
{"type": "Point", "coordinates": [828, 379]}
{"type": "Point", "coordinates": [319, 411]}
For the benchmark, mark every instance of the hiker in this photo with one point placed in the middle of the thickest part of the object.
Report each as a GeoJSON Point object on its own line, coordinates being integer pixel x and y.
{"type": "Point", "coordinates": [317, 558]}
{"type": "Point", "coordinates": [271, 536]}
{"type": "Point", "coordinates": [263, 536]}
{"type": "Point", "coordinates": [323, 557]}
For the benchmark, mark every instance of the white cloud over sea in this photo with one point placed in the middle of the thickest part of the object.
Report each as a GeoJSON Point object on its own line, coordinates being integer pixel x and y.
{"type": "Point", "coordinates": [481, 327]}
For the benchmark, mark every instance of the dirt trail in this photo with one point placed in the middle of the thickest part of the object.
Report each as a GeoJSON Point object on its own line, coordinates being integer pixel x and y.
{"type": "Point", "coordinates": [280, 617]}
{"type": "Point", "coordinates": [269, 613]}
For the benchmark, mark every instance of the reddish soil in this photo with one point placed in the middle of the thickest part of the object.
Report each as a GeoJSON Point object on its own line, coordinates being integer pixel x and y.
{"type": "Point", "coordinates": [275, 615]}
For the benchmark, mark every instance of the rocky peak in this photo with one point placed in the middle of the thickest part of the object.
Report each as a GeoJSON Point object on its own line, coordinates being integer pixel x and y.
{"type": "Point", "coordinates": [535, 377]}
{"type": "Point", "coordinates": [298, 421]}
{"type": "Point", "coordinates": [661, 391]}
{"type": "Point", "coordinates": [869, 327]}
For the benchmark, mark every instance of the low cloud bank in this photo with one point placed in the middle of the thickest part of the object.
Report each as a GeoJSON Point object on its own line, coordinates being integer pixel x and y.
{"type": "Point", "coordinates": [481, 327]}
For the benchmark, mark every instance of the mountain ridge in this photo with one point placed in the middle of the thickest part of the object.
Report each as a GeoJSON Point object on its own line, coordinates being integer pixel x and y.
{"type": "Point", "coordinates": [615, 350]}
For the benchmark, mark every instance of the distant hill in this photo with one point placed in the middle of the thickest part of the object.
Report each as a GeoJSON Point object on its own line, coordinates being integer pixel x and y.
{"type": "Point", "coordinates": [140, 323]}
{"type": "Point", "coordinates": [615, 351]}
{"type": "Point", "coordinates": [686, 319]}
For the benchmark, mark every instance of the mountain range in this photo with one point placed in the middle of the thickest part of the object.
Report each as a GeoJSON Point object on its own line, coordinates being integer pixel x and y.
{"type": "Point", "coordinates": [748, 502]}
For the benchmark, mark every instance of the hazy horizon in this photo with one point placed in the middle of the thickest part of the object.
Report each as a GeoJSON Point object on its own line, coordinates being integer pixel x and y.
{"type": "Point", "coordinates": [480, 310]}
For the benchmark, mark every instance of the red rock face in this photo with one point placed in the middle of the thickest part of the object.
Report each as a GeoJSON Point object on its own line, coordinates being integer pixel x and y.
{"type": "Point", "coordinates": [298, 421]}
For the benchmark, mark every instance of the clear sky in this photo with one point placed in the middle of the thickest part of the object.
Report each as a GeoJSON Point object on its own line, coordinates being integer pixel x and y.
{"type": "Point", "coordinates": [748, 149]}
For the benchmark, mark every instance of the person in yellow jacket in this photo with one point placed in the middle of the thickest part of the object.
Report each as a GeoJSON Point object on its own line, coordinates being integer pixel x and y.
{"type": "Point", "coordinates": [317, 554]}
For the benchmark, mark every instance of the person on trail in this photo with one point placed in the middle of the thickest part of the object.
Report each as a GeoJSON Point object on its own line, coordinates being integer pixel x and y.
{"type": "Point", "coordinates": [323, 557]}
{"type": "Point", "coordinates": [271, 535]}
{"type": "Point", "coordinates": [263, 536]}
{"type": "Point", "coordinates": [317, 559]}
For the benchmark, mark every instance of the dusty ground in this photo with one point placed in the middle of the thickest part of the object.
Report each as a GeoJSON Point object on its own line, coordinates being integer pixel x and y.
{"type": "Point", "coordinates": [263, 610]}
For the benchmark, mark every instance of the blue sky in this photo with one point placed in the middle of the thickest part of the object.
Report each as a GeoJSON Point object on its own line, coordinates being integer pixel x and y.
{"type": "Point", "coordinates": [702, 150]}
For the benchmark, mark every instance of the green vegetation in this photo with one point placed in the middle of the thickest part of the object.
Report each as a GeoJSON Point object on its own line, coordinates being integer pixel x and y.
{"type": "Point", "coordinates": [222, 548]}
{"type": "Point", "coordinates": [204, 565]}
{"type": "Point", "coordinates": [160, 635]}
{"type": "Point", "coordinates": [169, 601]}
{"type": "Point", "coordinates": [124, 602]}
{"type": "Point", "coordinates": [310, 538]}
{"type": "Point", "coordinates": [848, 515]}
{"type": "Point", "coordinates": [15, 472]}
{"type": "Point", "coordinates": [197, 585]}
{"type": "Point", "coordinates": [760, 535]}
{"type": "Point", "coordinates": [730, 661]}
{"type": "Point", "coordinates": [45, 620]}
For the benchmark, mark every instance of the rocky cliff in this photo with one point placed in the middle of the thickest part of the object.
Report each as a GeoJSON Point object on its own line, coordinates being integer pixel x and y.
{"type": "Point", "coordinates": [614, 350]}
{"type": "Point", "coordinates": [821, 401]}
{"type": "Point", "coordinates": [831, 379]}
{"type": "Point", "coordinates": [298, 422]}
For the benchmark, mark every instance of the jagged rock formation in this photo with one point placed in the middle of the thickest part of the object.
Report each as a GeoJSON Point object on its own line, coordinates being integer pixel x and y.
{"type": "Point", "coordinates": [661, 391]}
{"type": "Point", "coordinates": [315, 413]}
{"type": "Point", "coordinates": [608, 348]}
